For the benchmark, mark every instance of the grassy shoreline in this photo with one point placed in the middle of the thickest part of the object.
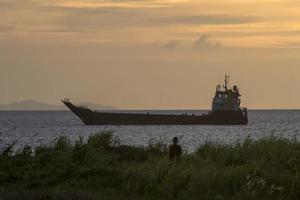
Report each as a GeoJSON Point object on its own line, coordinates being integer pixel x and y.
{"type": "Point", "coordinates": [101, 168]}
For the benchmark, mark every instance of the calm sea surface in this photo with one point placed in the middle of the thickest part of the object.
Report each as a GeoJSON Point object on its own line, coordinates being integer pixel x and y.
{"type": "Point", "coordinates": [42, 127]}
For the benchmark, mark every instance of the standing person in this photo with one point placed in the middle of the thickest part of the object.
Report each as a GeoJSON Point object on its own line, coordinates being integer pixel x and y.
{"type": "Point", "coordinates": [175, 149]}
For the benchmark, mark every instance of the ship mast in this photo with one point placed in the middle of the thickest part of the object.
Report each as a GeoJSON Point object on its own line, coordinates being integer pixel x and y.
{"type": "Point", "coordinates": [226, 81]}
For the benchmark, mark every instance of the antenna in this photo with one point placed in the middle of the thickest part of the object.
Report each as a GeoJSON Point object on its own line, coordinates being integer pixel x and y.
{"type": "Point", "coordinates": [226, 81]}
{"type": "Point", "coordinates": [219, 79]}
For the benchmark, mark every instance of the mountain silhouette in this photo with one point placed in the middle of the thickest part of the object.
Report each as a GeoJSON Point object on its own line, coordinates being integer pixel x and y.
{"type": "Point", "coordinates": [37, 105]}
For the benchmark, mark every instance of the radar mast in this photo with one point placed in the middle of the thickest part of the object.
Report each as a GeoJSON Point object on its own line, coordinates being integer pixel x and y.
{"type": "Point", "coordinates": [226, 82]}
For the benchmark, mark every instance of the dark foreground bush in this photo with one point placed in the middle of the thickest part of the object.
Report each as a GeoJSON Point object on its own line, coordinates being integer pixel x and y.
{"type": "Point", "coordinates": [101, 168]}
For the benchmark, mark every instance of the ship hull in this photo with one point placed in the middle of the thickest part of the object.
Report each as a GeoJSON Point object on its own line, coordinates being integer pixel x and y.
{"type": "Point", "coordinates": [90, 117]}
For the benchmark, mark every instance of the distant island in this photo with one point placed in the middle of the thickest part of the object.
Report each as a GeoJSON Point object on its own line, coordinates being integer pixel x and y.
{"type": "Point", "coordinates": [27, 105]}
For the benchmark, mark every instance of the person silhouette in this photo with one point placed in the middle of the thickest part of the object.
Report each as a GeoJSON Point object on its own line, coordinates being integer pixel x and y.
{"type": "Point", "coordinates": [175, 149]}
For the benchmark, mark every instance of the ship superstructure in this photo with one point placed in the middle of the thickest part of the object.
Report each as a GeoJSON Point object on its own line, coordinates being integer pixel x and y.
{"type": "Point", "coordinates": [226, 110]}
{"type": "Point", "coordinates": [226, 98]}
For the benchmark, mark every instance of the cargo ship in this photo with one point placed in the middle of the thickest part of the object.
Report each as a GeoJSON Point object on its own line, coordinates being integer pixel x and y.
{"type": "Point", "coordinates": [225, 110]}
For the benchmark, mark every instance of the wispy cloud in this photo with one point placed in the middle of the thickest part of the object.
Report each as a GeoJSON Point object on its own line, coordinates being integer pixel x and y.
{"type": "Point", "coordinates": [112, 3]}
{"type": "Point", "coordinates": [204, 19]}
{"type": "Point", "coordinates": [172, 44]}
{"type": "Point", "coordinates": [6, 28]}
{"type": "Point", "coordinates": [147, 21]}
{"type": "Point", "coordinates": [97, 20]}
{"type": "Point", "coordinates": [293, 44]}
{"type": "Point", "coordinates": [205, 42]}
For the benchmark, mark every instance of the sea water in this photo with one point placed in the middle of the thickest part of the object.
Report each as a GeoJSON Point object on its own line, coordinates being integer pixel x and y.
{"type": "Point", "coordinates": [36, 128]}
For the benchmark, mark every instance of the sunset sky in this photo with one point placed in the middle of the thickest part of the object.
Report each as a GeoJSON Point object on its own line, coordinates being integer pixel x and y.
{"type": "Point", "coordinates": [150, 54]}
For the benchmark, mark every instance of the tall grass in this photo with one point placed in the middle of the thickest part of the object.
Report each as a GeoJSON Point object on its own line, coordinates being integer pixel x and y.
{"type": "Point", "coordinates": [102, 168]}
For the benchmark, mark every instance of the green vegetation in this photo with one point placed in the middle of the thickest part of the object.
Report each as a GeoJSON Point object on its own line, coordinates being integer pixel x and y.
{"type": "Point", "coordinates": [101, 168]}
